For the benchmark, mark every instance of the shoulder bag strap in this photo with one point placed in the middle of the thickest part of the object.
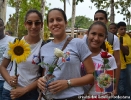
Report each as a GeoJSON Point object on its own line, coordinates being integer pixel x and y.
{"type": "Point", "coordinates": [121, 41]}
{"type": "Point", "coordinates": [66, 43]}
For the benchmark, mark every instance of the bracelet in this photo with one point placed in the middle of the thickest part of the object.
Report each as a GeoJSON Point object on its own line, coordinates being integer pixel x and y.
{"type": "Point", "coordinates": [69, 83]}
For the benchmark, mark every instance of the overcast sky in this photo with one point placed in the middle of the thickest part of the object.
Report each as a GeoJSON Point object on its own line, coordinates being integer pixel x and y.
{"type": "Point", "coordinates": [81, 9]}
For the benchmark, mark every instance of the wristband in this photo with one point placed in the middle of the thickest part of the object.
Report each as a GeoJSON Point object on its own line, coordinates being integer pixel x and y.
{"type": "Point", "coordinates": [69, 83]}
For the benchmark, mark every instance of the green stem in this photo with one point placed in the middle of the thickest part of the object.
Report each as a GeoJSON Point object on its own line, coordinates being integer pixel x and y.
{"type": "Point", "coordinates": [15, 69]}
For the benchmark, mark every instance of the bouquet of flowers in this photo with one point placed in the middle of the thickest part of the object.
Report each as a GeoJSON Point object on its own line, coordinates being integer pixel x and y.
{"type": "Point", "coordinates": [104, 78]}
{"type": "Point", "coordinates": [49, 76]}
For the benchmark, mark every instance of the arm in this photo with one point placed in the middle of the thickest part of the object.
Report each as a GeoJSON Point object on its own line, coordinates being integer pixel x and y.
{"type": "Point", "coordinates": [5, 73]}
{"type": "Point", "coordinates": [87, 79]}
{"type": "Point", "coordinates": [3, 70]}
{"type": "Point", "coordinates": [20, 91]}
{"type": "Point", "coordinates": [117, 71]}
{"type": "Point", "coordinates": [60, 85]}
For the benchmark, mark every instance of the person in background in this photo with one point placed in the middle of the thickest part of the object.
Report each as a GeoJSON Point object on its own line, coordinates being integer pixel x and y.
{"type": "Point", "coordinates": [113, 28]}
{"type": "Point", "coordinates": [4, 40]}
{"type": "Point", "coordinates": [28, 71]}
{"type": "Point", "coordinates": [125, 55]}
{"type": "Point", "coordinates": [95, 40]}
{"type": "Point", "coordinates": [8, 33]}
{"type": "Point", "coordinates": [101, 15]}
{"type": "Point", "coordinates": [68, 83]}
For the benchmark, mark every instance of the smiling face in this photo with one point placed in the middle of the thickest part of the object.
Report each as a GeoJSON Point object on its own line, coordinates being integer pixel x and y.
{"type": "Point", "coordinates": [56, 23]}
{"type": "Point", "coordinates": [96, 36]}
{"type": "Point", "coordinates": [33, 24]}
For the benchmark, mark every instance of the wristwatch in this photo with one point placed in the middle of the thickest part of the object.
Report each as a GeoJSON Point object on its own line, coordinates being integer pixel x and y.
{"type": "Point", "coordinates": [69, 83]}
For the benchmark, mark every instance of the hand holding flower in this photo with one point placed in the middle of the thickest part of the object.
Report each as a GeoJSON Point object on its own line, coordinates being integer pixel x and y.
{"type": "Point", "coordinates": [46, 84]}
{"type": "Point", "coordinates": [41, 83]}
{"type": "Point", "coordinates": [57, 86]}
{"type": "Point", "coordinates": [13, 81]}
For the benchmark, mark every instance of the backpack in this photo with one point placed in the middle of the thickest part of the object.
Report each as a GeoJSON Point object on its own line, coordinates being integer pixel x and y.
{"type": "Point", "coordinates": [110, 38]}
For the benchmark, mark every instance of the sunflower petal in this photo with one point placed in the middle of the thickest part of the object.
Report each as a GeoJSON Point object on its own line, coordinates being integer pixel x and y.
{"type": "Point", "coordinates": [23, 56]}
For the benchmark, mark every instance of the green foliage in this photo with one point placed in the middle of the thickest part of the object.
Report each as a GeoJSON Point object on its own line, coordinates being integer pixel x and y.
{"type": "Point", "coordinates": [24, 6]}
{"type": "Point", "coordinates": [121, 5]}
{"type": "Point", "coordinates": [81, 22]}
{"type": "Point", "coordinates": [77, 1]}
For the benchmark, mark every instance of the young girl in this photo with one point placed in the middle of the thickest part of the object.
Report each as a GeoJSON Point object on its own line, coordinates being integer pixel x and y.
{"type": "Point", "coordinates": [67, 84]}
{"type": "Point", "coordinates": [95, 39]}
{"type": "Point", "coordinates": [28, 71]}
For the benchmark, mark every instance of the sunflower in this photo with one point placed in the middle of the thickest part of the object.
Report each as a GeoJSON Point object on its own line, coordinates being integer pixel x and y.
{"type": "Point", "coordinates": [109, 47]}
{"type": "Point", "coordinates": [19, 51]}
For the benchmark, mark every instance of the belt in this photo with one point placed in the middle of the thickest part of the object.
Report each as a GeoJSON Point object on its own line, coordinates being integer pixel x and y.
{"type": "Point", "coordinates": [71, 98]}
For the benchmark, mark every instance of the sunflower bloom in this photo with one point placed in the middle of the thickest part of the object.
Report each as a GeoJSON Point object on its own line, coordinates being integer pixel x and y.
{"type": "Point", "coordinates": [19, 51]}
{"type": "Point", "coordinates": [109, 47]}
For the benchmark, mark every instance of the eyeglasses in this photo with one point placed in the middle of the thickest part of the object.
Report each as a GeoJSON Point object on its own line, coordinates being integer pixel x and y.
{"type": "Point", "coordinates": [30, 23]}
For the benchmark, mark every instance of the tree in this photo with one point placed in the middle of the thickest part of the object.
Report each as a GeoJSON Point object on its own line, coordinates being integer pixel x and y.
{"type": "Point", "coordinates": [81, 22]}
{"type": "Point", "coordinates": [112, 18]}
{"type": "Point", "coordinates": [43, 14]}
{"type": "Point", "coordinates": [74, 3]}
{"type": "Point", "coordinates": [3, 9]}
{"type": "Point", "coordinates": [73, 17]}
{"type": "Point", "coordinates": [24, 6]}
{"type": "Point", "coordinates": [17, 17]}
{"type": "Point", "coordinates": [121, 5]}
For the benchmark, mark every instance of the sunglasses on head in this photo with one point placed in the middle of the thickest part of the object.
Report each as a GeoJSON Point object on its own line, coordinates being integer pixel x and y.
{"type": "Point", "coordinates": [37, 23]}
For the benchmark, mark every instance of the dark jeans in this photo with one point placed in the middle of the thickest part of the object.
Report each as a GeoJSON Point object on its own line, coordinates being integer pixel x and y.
{"type": "Point", "coordinates": [128, 81]}
{"type": "Point", "coordinates": [32, 95]}
{"type": "Point", "coordinates": [122, 83]}
{"type": "Point", "coordinates": [1, 88]}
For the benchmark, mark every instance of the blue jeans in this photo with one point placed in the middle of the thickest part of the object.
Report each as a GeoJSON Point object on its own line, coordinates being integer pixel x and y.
{"type": "Point", "coordinates": [122, 83]}
{"type": "Point", "coordinates": [32, 95]}
{"type": "Point", "coordinates": [1, 88]}
{"type": "Point", "coordinates": [128, 81]}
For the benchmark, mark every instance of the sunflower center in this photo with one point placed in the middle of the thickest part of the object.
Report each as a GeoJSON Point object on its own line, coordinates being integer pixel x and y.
{"type": "Point", "coordinates": [18, 50]}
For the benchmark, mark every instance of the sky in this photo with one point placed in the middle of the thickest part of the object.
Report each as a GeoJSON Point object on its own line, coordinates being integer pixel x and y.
{"type": "Point", "coordinates": [82, 9]}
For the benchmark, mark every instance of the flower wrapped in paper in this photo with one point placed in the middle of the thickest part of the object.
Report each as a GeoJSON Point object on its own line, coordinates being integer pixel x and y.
{"type": "Point", "coordinates": [49, 75]}
{"type": "Point", "coordinates": [104, 77]}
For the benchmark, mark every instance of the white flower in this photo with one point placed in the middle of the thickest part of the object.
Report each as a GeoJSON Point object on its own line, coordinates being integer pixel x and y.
{"type": "Point", "coordinates": [58, 52]}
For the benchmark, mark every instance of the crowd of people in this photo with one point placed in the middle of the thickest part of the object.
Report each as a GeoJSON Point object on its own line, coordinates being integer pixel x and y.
{"type": "Point", "coordinates": [68, 82]}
